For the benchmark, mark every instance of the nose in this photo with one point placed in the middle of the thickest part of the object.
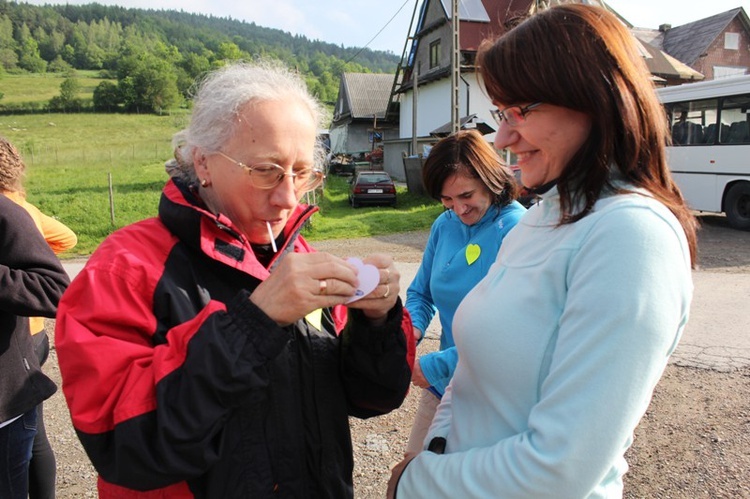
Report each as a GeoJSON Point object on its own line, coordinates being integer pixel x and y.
{"type": "Point", "coordinates": [284, 195]}
{"type": "Point", "coordinates": [459, 207]}
{"type": "Point", "coordinates": [505, 136]}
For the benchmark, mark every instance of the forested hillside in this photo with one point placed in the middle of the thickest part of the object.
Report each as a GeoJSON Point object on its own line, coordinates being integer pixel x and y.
{"type": "Point", "coordinates": [149, 58]}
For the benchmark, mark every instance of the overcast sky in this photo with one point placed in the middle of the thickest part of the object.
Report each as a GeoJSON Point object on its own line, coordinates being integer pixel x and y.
{"type": "Point", "coordinates": [356, 22]}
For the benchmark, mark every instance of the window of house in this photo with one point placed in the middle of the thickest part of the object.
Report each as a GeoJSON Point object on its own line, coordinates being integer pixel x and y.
{"type": "Point", "coordinates": [728, 71]}
{"type": "Point", "coordinates": [434, 54]}
{"type": "Point", "coordinates": [732, 41]}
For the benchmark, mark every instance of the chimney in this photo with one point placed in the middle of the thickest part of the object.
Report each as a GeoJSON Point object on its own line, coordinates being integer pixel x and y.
{"type": "Point", "coordinates": [665, 27]}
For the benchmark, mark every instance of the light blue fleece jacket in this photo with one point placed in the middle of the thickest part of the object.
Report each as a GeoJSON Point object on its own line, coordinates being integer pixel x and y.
{"type": "Point", "coordinates": [446, 276]}
{"type": "Point", "coordinates": [560, 348]}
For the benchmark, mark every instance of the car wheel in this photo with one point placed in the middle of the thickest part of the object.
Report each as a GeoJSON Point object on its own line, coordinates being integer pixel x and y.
{"type": "Point", "coordinates": [353, 203]}
{"type": "Point", "coordinates": [738, 206]}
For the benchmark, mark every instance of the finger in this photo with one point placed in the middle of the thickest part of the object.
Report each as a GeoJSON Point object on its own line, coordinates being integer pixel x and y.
{"type": "Point", "coordinates": [385, 275]}
{"type": "Point", "coordinates": [331, 287]}
{"type": "Point", "coordinates": [380, 260]}
{"type": "Point", "coordinates": [384, 291]}
{"type": "Point", "coordinates": [335, 269]}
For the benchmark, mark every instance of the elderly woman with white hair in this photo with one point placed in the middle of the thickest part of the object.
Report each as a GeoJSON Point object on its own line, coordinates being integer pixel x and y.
{"type": "Point", "coordinates": [210, 352]}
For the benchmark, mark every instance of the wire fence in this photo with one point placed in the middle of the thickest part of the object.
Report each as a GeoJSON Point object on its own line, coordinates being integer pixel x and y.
{"type": "Point", "coordinates": [57, 154]}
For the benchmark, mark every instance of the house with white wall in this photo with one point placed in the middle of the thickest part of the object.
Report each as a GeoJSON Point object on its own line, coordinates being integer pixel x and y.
{"type": "Point", "coordinates": [428, 67]}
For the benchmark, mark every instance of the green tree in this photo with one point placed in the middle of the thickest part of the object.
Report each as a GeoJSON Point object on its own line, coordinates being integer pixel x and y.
{"type": "Point", "coordinates": [68, 54]}
{"type": "Point", "coordinates": [148, 84]}
{"type": "Point", "coordinates": [6, 33]}
{"type": "Point", "coordinates": [81, 57]}
{"type": "Point", "coordinates": [30, 59]}
{"type": "Point", "coordinates": [51, 46]}
{"type": "Point", "coordinates": [195, 64]}
{"type": "Point", "coordinates": [229, 51]}
{"type": "Point", "coordinates": [107, 97]}
{"type": "Point", "coordinates": [69, 89]}
{"type": "Point", "coordinates": [58, 65]}
{"type": "Point", "coordinates": [8, 58]}
{"type": "Point", "coordinates": [68, 99]}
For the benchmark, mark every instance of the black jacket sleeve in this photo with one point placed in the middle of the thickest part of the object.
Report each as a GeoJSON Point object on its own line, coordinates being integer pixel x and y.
{"type": "Point", "coordinates": [375, 363]}
{"type": "Point", "coordinates": [32, 279]}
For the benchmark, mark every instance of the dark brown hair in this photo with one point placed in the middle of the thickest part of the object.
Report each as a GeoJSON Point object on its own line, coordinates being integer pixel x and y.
{"type": "Point", "coordinates": [466, 152]}
{"type": "Point", "coordinates": [583, 58]}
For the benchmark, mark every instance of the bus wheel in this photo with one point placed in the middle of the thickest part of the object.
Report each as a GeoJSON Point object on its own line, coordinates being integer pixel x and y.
{"type": "Point", "coordinates": [738, 206]}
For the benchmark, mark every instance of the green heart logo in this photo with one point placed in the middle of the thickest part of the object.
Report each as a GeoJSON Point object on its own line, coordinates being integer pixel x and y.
{"type": "Point", "coordinates": [472, 253]}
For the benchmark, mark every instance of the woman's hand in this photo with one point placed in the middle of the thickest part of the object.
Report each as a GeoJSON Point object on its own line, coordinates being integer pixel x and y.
{"type": "Point", "coordinates": [418, 334]}
{"type": "Point", "coordinates": [304, 282]}
{"type": "Point", "coordinates": [396, 472]}
{"type": "Point", "coordinates": [417, 376]}
{"type": "Point", "coordinates": [381, 300]}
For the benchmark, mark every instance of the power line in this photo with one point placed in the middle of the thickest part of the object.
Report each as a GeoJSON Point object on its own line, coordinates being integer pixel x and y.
{"type": "Point", "coordinates": [378, 33]}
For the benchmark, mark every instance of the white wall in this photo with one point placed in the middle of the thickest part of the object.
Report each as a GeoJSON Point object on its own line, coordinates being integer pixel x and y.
{"type": "Point", "coordinates": [434, 106]}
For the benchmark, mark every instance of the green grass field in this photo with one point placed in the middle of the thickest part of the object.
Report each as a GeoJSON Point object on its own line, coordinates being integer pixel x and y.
{"type": "Point", "coordinates": [40, 88]}
{"type": "Point", "coordinates": [70, 158]}
{"type": "Point", "coordinates": [337, 219]}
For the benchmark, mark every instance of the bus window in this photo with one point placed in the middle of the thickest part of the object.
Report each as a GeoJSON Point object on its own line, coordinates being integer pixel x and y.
{"type": "Point", "coordinates": [688, 121]}
{"type": "Point", "coordinates": [735, 114]}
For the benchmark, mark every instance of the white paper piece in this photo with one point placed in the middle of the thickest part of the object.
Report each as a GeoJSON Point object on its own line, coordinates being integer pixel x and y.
{"type": "Point", "coordinates": [369, 278]}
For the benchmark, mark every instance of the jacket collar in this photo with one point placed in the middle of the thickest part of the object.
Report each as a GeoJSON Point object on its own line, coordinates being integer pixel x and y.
{"type": "Point", "coordinates": [186, 216]}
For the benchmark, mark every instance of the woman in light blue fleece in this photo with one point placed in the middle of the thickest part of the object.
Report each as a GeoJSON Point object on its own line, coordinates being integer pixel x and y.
{"type": "Point", "coordinates": [464, 173]}
{"type": "Point", "coordinates": [562, 343]}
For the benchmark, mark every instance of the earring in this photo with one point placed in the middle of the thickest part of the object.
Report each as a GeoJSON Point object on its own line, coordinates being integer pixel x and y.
{"type": "Point", "coordinates": [204, 182]}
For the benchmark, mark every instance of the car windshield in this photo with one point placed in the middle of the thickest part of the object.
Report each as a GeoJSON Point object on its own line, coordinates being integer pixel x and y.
{"type": "Point", "coordinates": [373, 179]}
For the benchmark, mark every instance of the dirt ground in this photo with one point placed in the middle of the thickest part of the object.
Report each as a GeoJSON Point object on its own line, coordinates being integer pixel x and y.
{"type": "Point", "coordinates": [694, 441]}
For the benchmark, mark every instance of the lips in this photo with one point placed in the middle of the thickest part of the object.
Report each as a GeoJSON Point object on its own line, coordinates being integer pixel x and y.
{"type": "Point", "coordinates": [523, 157]}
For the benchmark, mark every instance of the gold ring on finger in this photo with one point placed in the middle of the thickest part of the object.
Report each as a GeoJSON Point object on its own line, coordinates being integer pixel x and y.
{"type": "Point", "coordinates": [322, 286]}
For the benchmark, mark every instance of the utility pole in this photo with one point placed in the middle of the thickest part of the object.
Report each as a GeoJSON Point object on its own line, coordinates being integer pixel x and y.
{"type": "Point", "coordinates": [415, 98]}
{"type": "Point", "coordinates": [455, 70]}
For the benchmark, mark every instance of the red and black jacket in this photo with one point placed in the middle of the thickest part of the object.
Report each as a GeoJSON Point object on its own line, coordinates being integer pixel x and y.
{"type": "Point", "coordinates": [178, 386]}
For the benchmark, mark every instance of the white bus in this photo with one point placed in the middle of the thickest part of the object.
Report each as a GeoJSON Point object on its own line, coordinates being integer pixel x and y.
{"type": "Point", "coordinates": [710, 155]}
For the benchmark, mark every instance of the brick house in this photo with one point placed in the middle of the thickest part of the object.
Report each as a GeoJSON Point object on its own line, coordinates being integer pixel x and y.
{"type": "Point", "coordinates": [717, 46]}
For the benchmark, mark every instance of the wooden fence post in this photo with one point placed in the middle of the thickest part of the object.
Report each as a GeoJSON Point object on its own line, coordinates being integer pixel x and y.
{"type": "Point", "coordinates": [111, 200]}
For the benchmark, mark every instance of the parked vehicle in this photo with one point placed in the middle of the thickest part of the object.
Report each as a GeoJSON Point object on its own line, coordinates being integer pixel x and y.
{"type": "Point", "coordinates": [710, 148]}
{"type": "Point", "coordinates": [372, 187]}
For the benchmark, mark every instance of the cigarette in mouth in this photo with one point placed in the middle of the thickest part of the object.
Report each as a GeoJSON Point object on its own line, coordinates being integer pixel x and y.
{"type": "Point", "coordinates": [273, 239]}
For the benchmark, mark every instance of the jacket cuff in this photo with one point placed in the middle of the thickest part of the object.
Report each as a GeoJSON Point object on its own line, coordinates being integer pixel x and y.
{"type": "Point", "coordinates": [376, 335]}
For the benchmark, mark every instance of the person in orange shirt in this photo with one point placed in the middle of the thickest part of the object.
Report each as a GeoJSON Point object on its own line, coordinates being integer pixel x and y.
{"type": "Point", "coordinates": [42, 469]}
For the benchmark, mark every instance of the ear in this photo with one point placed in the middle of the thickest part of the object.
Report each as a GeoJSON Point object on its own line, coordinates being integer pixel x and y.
{"type": "Point", "coordinates": [201, 165]}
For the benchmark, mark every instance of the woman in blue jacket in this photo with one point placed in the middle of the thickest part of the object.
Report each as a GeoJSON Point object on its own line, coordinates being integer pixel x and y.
{"type": "Point", "coordinates": [464, 173]}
